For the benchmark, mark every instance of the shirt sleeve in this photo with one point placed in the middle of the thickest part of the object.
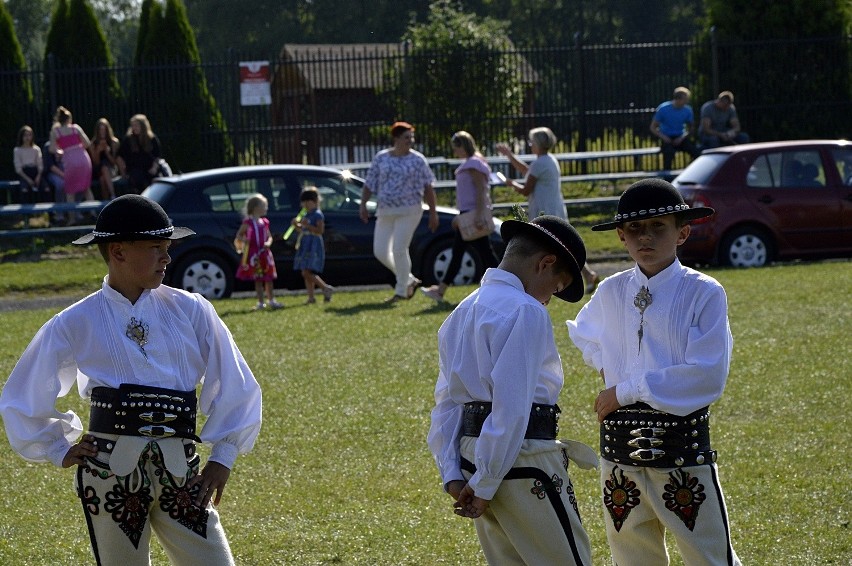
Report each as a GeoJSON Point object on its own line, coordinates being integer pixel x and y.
{"type": "Point", "coordinates": [443, 439]}
{"type": "Point", "coordinates": [230, 395]}
{"type": "Point", "coordinates": [515, 377]}
{"type": "Point", "coordinates": [46, 371]}
{"type": "Point", "coordinates": [585, 330]}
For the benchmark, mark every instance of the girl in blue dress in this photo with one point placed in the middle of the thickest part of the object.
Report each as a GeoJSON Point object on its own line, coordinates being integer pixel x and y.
{"type": "Point", "coordinates": [310, 248]}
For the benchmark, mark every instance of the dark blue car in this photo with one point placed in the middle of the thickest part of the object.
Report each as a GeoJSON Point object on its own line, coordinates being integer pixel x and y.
{"type": "Point", "coordinates": [211, 203]}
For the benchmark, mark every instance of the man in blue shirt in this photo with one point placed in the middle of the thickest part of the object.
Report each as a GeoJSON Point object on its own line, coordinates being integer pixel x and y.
{"type": "Point", "coordinates": [672, 123]}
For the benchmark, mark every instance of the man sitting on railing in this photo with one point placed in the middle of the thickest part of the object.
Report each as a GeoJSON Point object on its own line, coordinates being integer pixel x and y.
{"type": "Point", "coordinates": [672, 123]}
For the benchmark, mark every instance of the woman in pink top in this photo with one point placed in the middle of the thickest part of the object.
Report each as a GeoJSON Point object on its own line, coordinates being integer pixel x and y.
{"type": "Point", "coordinates": [69, 140]}
{"type": "Point", "coordinates": [472, 193]}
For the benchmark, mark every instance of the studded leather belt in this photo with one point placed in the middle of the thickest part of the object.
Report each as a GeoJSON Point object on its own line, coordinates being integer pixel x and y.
{"type": "Point", "coordinates": [638, 435]}
{"type": "Point", "coordinates": [543, 423]}
{"type": "Point", "coordinates": [139, 410]}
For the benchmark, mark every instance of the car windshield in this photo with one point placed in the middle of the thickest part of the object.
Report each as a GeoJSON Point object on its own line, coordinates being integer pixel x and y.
{"type": "Point", "coordinates": [700, 171]}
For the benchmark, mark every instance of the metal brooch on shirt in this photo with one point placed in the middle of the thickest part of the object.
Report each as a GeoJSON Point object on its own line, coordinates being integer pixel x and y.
{"type": "Point", "coordinates": [642, 301]}
{"type": "Point", "coordinates": [138, 332]}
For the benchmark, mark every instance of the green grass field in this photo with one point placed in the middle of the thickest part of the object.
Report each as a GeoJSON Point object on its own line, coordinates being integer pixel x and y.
{"type": "Point", "coordinates": [341, 473]}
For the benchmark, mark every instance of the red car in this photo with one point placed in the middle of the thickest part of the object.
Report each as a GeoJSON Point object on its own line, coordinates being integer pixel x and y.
{"type": "Point", "coordinates": [774, 200]}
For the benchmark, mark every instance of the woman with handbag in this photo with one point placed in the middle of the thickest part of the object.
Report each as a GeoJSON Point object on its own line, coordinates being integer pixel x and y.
{"type": "Point", "coordinates": [474, 223]}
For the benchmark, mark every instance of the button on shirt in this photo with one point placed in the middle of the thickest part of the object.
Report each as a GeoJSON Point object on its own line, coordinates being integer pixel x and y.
{"type": "Point", "coordinates": [685, 356]}
{"type": "Point", "coordinates": [86, 344]}
{"type": "Point", "coordinates": [497, 346]}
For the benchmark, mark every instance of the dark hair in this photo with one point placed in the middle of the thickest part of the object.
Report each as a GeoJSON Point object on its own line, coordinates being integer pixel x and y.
{"type": "Point", "coordinates": [524, 245]}
{"type": "Point", "coordinates": [310, 194]}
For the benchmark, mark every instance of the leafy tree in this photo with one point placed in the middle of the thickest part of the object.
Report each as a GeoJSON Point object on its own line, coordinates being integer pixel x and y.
{"type": "Point", "coordinates": [198, 136]}
{"type": "Point", "coordinates": [783, 78]}
{"type": "Point", "coordinates": [31, 18]}
{"type": "Point", "coordinates": [15, 92]}
{"type": "Point", "coordinates": [455, 76]}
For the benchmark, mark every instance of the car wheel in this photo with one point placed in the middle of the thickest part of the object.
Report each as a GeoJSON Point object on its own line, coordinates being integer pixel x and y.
{"type": "Point", "coordinates": [205, 273]}
{"type": "Point", "coordinates": [438, 261]}
{"type": "Point", "coordinates": [746, 247]}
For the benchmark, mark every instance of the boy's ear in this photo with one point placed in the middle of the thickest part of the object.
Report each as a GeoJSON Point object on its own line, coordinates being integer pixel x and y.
{"type": "Point", "coordinates": [545, 261]}
{"type": "Point", "coordinates": [620, 233]}
{"type": "Point", "coordinates": [683, 233]}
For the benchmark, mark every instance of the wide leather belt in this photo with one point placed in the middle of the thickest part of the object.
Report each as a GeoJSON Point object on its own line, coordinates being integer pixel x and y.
{"type": "Point", "coordinates": [139, 410]}
{"type": "Point", "coordinates": [543, 423]}
{"type": "Point", "coordinates": [638, 435]}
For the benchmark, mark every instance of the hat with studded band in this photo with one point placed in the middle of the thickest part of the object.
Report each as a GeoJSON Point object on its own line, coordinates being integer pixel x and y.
{"type": "Point", "coordinates": [133, 217]}
{"type": "Point", "coordinates": [560, 237]}
{"type": "Point", "coordinates": [649, 198]}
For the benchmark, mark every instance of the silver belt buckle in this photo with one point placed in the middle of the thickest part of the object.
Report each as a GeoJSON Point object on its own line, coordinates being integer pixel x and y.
{"type": "Point", "coordinates": [651, 431]}
{"type": "Point", "coordinates": [644, 442]}
{"type": "Point", "coordinates": [157, 431]}
{"type": "Point", "coordinates": [647, 454]}
{"type": "Point", "coordinates": [157, 417]}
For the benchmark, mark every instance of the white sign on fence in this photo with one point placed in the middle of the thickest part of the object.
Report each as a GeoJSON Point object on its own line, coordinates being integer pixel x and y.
{"type": "Point", "coordinates": [254, 83]}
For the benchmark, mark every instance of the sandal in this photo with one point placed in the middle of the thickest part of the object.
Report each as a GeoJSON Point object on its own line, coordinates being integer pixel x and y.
{"type": "Point", "coordinates": [327, 293]}
{"type": "Point", "coordinates": [412, 287]}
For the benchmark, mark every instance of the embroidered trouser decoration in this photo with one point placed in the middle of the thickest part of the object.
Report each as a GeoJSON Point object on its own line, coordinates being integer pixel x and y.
{"type": "Point", "coordinates": [128, 499]}
{"type": "Point", "coordinates": [683, 496]}
{"type": "Point", "coordinates": [620, 495]}
{"type": "Point", "coordinates": [547, 487]}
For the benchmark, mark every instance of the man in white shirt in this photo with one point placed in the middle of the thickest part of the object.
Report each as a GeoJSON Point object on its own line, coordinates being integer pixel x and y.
{"type": "Point", "coordinates": [658, 335]}
{"type": "Point", "coordinates": [494, 424]}
{"type": "Point", "coordinates": [138, 350]}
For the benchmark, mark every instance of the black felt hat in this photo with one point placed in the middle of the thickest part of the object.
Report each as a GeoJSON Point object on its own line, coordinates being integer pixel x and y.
{"type": "Point", "coordinates": [561, 237]}
{"type": "Point", "coordinates": [649, 198]}
{"type": "Point", "coordinates": [133, 217]}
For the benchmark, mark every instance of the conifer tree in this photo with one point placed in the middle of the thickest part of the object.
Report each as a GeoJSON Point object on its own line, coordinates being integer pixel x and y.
{"type": "Point", "coordinates": [195, 133]}
{"type": "Point", "coordinates": [15, 92]}
{"type": "Point", "coordinates": [79, 66]}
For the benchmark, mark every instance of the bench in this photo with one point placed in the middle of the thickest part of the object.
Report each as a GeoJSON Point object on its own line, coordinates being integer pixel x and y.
{"type": "Point", "coordinates": [28, 211]}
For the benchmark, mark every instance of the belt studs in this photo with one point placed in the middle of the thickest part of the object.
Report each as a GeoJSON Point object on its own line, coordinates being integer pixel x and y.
{"type": "Point", "coordinates": [652, 432]}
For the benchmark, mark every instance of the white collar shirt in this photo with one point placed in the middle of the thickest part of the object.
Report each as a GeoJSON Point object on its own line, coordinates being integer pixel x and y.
{"type": "Point", "coordinates": [86, 344]}
{"type": "Point", "coordinates": [496, 346]}
{"type": "Point", "coordinates": [686, 344]}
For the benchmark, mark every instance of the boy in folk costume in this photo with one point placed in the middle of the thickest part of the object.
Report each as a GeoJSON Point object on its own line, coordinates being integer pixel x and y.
{"type": "Point", "coordinates": [494, 424]}
{"type": "Point", "coordinates": [138, 350]}
{"type": "Point", "coordinates": [658, 334]}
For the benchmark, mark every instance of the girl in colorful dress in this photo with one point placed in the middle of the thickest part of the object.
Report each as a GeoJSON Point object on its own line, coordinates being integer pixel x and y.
{"type": "Point", "coordinates": [253, 241]}
{"type": "Point", "coordinates": [310, 248]}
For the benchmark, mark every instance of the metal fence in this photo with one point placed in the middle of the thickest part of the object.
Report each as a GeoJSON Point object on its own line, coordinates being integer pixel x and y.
{"type": "Point", "coordinates": [330, 109]}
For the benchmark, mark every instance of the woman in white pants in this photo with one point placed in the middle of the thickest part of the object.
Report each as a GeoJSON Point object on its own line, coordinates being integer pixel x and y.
{"type": "Point", "coordinates": [401, 179]}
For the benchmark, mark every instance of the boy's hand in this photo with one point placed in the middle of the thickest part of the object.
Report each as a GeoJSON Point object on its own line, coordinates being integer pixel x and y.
{"type": "Point", "coordinates": [77, 453]}
{"type": "Point", "coordinates": [455, 487]}
{"type": "Point", "coordinates": [606, 403]}
{"type": "Point", "coordinates": [212, 479]}
{"type": "Point", "coordinates": [469, 505]}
